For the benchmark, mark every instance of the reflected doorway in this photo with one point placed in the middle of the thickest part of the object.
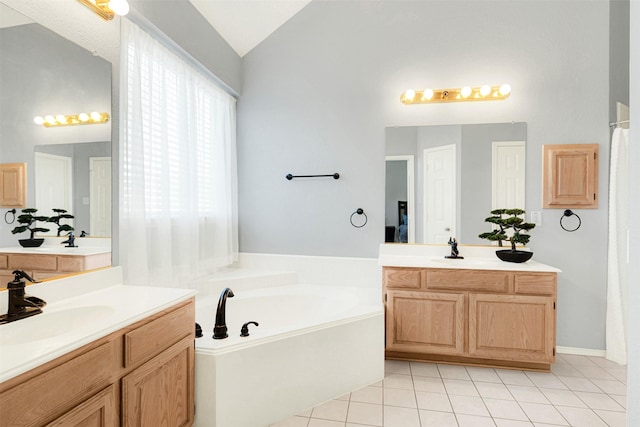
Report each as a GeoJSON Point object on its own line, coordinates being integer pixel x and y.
{"type": "Point", "coordinates": [399, 200]}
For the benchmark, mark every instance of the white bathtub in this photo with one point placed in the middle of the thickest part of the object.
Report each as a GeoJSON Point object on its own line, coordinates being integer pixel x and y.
{"type": "Point", "coordinates": [314, 343]}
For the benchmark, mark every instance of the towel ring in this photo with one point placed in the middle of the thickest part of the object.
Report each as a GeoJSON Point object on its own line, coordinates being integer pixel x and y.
{"type": "Point", "coordinates": [10, 211]}
{"type": "Point", "coordinates": [359, 211]}
{"type": "Point", "coordinates": [568, 213]}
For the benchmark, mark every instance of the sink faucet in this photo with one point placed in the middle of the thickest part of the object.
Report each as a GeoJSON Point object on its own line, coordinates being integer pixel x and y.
{"type": "Point", "coordinates": [220, 328]}
{"type": "Point", "coordinates": [20, 305]}
{"type": "Point", "coordinates": [454, 249]}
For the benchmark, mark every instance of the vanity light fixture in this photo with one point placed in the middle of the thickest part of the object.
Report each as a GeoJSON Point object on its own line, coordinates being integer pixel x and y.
{"type": "Point", "coordinates": [72, 119]}
{"type": "Point", "coordinates": [467, 93]}
{"type": "Point", "coordinates": [107, 9]}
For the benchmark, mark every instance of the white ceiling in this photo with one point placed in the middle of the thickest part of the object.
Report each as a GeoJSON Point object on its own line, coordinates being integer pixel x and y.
{"type": "Point", "coordinates": [11, 18]}
{"type": "Point", "coordinates": [245, 23]}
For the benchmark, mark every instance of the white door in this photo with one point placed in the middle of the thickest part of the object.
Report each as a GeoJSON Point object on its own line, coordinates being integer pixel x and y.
{"type": "Point", "coordinates": [54, 187]}
{"type": "Point", "coordinates": [439, 194]}
{"type": "Point", "coordinates": [100, 196]}
{"type": "Point", "coordinates": [508, 174]}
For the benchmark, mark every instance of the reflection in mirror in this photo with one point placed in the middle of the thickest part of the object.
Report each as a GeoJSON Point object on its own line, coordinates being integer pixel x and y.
{"type": "Point", "coordinates": [462, 172]}
{"type": "Point", "coordinates": [42, 73]}
{"type": "Point", "coordinates": [77, 178]}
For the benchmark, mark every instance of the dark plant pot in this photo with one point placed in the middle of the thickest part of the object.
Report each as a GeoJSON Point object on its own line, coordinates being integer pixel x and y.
{"type": "Point", "coordinates": [514, 256]}
{"type": "Point", "coordinates": [30, 243]}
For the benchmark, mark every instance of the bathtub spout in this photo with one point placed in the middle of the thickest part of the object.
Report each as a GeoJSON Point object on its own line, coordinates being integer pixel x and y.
{"type": "Point", "coordinates": [220, 329]}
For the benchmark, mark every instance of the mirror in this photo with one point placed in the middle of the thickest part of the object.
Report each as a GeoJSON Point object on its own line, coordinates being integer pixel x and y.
{"type": "Point", "coordinates": [43, 73]}
{"type": "Point", "coordinates": [444, 180]}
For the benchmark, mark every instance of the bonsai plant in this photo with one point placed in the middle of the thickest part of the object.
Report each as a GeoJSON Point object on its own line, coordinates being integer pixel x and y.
{"type": "Point", "coordinates": [60, 215]}
{"type": "Point", "coordinates": [28, 219]}
{"type": "Point", "coordinates": [511, 228]}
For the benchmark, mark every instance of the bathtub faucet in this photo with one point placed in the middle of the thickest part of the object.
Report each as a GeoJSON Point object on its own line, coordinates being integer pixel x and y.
{"type": "Point", "coordinates": [220, 329]}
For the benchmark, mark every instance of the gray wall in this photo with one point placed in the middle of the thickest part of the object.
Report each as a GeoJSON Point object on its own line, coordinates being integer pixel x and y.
{"type": "Point", "coordinates": [633, 339]}
{"type": "Point", "coordinates": [317, 101]}
{"type": "Point", "coordinates": [43, 73]}
{"type": "Point", "coordinates": [618, 55]}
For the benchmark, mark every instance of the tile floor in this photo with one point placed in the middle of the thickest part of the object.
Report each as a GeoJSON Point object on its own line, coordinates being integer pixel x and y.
{"type": "Point", "coordinates": [580, 391]}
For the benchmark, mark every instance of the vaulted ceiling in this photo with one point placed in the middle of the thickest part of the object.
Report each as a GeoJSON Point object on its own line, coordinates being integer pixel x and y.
{"type": "Point", "coordinates": [245, 23]}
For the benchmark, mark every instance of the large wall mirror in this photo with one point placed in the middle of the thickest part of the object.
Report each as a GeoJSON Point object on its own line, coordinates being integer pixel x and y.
{"type": "Point", "coordinates": [442, 181]}
{"type": "Point", "coordinates": [68, 167]}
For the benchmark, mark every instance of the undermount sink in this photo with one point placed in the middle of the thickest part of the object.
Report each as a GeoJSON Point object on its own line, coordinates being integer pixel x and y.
{"type": "Point", "coordinates": [53, 324]}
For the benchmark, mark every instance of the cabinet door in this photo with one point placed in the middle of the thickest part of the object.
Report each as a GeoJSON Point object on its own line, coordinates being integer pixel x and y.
{"type": "Point", "coordinates": [98, 411]}
{"type": "Point", "coordinates": [425, 322]}
{"type": "Point", "coordinates": [570, 176]}
{"type": "Point", "coordinates": [13, 185]}
{"type": "Point", "coordinates": [512, 327]}
{"type": "Point", "coordinates": [160, 392]}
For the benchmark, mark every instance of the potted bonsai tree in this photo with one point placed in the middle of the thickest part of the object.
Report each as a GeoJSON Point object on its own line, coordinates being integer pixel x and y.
{"type": "Point", "coordinates": [28, 219]}
{"type": "Point", "coordinates": [511, 228]}
{"type": "Point", "coordinates": [60, 215]}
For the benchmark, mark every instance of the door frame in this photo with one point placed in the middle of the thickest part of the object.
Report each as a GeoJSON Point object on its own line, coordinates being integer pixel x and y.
{"type": "Point", "coordinates": [411, 213]}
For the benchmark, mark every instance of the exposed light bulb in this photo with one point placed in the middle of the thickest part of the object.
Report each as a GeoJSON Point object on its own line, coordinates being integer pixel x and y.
{"type": "Point", "coordinates": [83, 117]}
{"type": "Point", "coordinates": [505, 89]}
{"type": "Point", "coordinates": [95, 116]}
{"type": "Point", "coordinates": [119, 7]}
{"type": "Point", "coordinates": [427, 94]}
{"type": "Point", "coordinates": [465, 92]}
{"type": "Point", "coordinates": [485, 90]}
{"type": "Point", "coordinates": [410, 94]}
{"type": "Point", "coordinates": [38, 120]}
{"type": "Point", "coordinates": [50, 119]}
{"type": "Point", "coordinates": [61, 118]}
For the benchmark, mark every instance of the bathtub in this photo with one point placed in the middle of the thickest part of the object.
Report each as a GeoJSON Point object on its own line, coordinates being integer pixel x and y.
{"type": "Point", "coordinates": [313, 343]}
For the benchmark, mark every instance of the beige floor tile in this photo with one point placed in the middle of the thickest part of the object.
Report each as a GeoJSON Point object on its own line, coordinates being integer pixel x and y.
{"type": "Point", "coordinates": [527, 394]}
{"type": "Point", "coordinates": [292, 422]}
{"type": "Point", "coordinates": [401, 417]}
{"type": "Point", "coordinates": [611, 386]}
{"type": "Point", "coordinates": [460, 387]}
{"type": "Point", "coordinates": [493, 391]}
{"type": "Point", "coordinates": [486, 375]}
{"type": "Point", "coordinates": [539, 413]}
{"type": "Point", "coordinates": [508, 409]}
{"type": "Point", "coordinates": [511, 423]}
{"type": "Point", "coordinates": [437, 419]}
{"type": "Point", "coordinates": [397, 367]}
{"type": "Point", "coordinates": [433, 401]}
{"type": "Point", "coordinates": [434, 385]}
{"type": "Point", "coordinates": [398, 381]}
{"type": "Point", "coordinates": [599, 401]}
{"type": "Point", "coordinates": [613, 419]}
{"type": "Point", "coordinates": [335, 410]}
{"type": "Point", "coordinates": [454, 372]}
{"type": "Point", "coordinates": [562, 397]}
{"type": "Point", "coordinates": [514, 377]}
{"type": "Point", "coordinates": [365, 413]}
{"type": "Point", "coordinates": [579, 384]}
{"type": "Point", "coordinates": [424, 369]}
{"type": "Point", "coordinates": [399, 397]}
{"type": "Point", "coordinates": [581, 416]}
{"type": "Point", "coordinates": [474, 421]}
{"type": "Point", "coordinates": [468, 405]}
{"type": "Point", "coordinates": [367, 394]}
{"type": "Point", "coordinates": [316, 422]}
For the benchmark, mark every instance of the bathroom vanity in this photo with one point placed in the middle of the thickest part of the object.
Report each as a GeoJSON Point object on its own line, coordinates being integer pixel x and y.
{"type": "Point", "coordinates": [116, 355]}
{"type": "Point", "coordinates": [49, 261]}
{"type": "Point", "coordinates": [477, 310]}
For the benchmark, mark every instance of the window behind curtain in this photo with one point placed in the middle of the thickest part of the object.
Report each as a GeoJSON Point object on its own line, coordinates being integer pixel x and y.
{"type": "Point", "coordinates": [178, 217]}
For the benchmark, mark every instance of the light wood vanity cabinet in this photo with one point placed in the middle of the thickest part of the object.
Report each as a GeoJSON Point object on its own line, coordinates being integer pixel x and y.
{"type": "Point", "coordinates": [13, 185]}
{"type": "Point", "coordinates": [142, 375]}
{"type": "Point", "coordinates": [482, 317]}
{"type": "Point", "coordinates": [44, 266]}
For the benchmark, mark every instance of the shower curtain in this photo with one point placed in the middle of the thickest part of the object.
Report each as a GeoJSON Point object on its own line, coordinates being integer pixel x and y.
{"type": "Point", "coordinates": [617, 276]}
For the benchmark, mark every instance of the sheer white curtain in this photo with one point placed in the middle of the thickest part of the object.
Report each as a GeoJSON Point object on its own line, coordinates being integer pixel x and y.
{"type": "Point", "coordinates": [178, 207]}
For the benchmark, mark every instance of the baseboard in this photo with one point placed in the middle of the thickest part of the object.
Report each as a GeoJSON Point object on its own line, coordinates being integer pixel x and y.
{"type": "Point", "coordinates": [581, 351]}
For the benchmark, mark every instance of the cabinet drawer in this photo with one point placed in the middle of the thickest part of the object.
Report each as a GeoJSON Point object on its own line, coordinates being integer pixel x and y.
{"type": "Point", "coordinates": [100, 410]}
{"type": "Point", "coordinates": [33, 262]}
{"type": "Point", "coordinates": [150, 339]}
{"type": "Point", "coordinates": [3, 261]}
{"type": "Point", "coordinates": [468, 280]}
{"type": "Point", "coordinates": [536, 284]}
{"type": "Point", "coordinates": [71, 263]}
{"type": "Point", "coordinates": [54, 392]}
{"type": "Point", "coordinates": [403, 278]}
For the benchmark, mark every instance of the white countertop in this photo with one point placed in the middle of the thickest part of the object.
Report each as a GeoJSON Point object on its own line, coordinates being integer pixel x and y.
{"type": "Point", "coordinates": [57, 250]}
{"type": "Point", "coordinates": [79, 310]}
{"type": "Point", "coordinates": [433, 256]}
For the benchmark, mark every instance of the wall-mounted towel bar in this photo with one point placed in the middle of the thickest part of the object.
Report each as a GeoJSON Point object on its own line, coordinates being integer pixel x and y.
{"type": "Point", "coordinates": [334, 175]}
